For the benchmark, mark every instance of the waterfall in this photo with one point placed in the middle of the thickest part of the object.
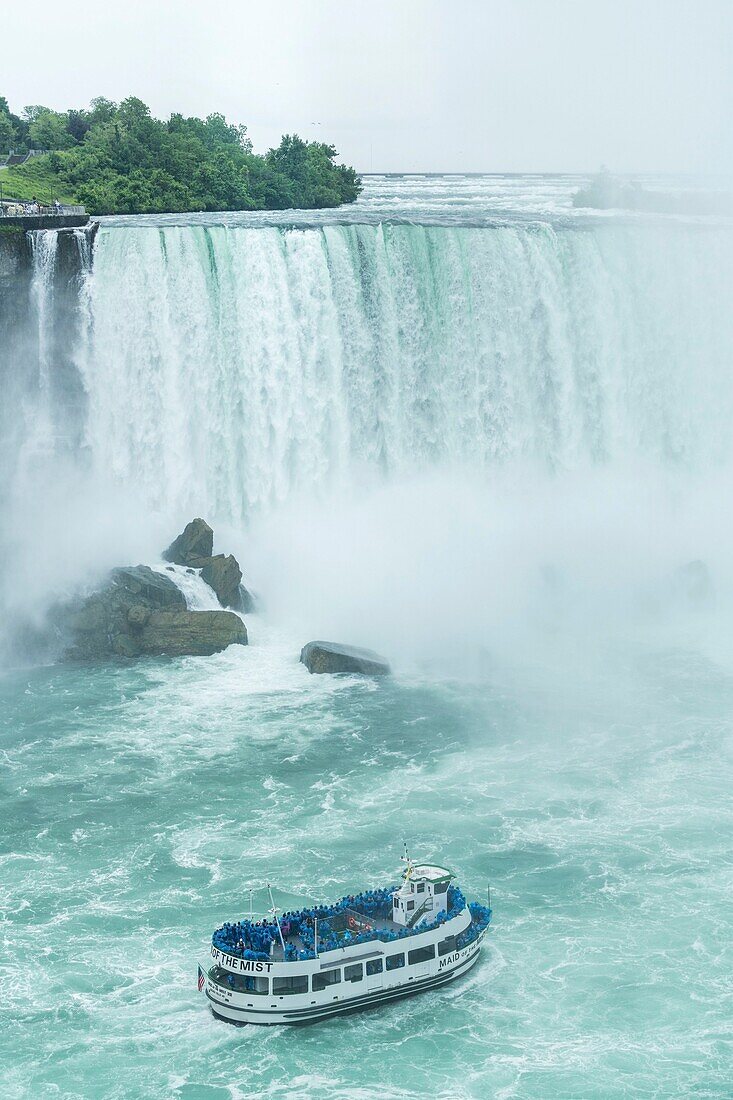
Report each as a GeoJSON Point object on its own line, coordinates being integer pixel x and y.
{"type": "Point", "coordinates": [229, 368]}
{"type": "Point", "coordinates": [250, 373]}
{"type": "Point", "coordinates": [44, 245]}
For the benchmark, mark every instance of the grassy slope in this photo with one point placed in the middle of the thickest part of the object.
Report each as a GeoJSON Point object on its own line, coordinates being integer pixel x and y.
{"type": "Point", "coordinates": [34, 178]}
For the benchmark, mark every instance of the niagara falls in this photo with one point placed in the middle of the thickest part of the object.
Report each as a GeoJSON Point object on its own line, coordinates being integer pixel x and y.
{"type": "Point", "coordinates": [366, 557]}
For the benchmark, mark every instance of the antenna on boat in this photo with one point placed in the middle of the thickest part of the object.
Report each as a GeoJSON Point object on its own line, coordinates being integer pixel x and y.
{"type": "Point", "coordinates": [273, 910]}
{"type": "Point", "coordinates": [251, 913]}
{"type": "Point", "coordinates": [407, 861]}
{"type": "Point", "coordinates": [315, 935]}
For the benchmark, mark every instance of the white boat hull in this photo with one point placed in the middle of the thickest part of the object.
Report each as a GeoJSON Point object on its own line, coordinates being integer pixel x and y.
{"type": "Point", "coordinates": [309, 1007]}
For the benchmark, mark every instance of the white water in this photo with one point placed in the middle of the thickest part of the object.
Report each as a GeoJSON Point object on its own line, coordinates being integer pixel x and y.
{"type": "Point", "coordinates": [233, 368]}
{"type": "Point", "coordinates": [504, 414]}
{"type": "Point", "coordinates": [198, 594]}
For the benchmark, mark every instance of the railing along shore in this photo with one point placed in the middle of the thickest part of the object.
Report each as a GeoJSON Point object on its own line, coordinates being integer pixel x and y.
{"type": "Point", "coordinates": [15, 209]}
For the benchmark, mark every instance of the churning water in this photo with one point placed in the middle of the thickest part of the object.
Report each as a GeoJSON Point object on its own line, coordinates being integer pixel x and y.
{"type": "Point", "coordinates": [466, 425]}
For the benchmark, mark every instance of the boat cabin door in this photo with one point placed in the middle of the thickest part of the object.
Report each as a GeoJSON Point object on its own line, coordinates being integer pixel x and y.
{"type": "Point", "coordinates": [374, 974]}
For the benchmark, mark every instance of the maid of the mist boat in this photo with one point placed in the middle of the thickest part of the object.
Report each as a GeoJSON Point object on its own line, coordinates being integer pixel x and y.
{"type": "Point", "coordinates": [327, 959]}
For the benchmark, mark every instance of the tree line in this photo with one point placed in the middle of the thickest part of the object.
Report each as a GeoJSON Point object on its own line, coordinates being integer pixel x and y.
{"type": "Point", "coordinates": [116, 158]}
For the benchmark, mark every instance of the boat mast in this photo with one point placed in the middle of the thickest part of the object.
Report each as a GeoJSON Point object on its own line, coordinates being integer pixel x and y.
{"type": "Point", "coordinates": [273, 910]}
{"type": "Point", "coordinates": [408, 863]}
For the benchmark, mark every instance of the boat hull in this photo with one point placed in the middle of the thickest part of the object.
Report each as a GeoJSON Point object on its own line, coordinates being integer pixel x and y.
{"type": "Point", "coordinates": [232, 1014]}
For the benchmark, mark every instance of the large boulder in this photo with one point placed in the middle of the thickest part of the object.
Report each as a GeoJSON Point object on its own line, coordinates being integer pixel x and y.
{"type": "Point", "coordinates": [140, 611]}
{"type": "Point", "coordinates": [333, 657]}
{"type": "Point", "coordinates": [194, 546]}
{"type": "Point", "coordinates": [191, 633]}
{"type": "Point", "coordinates": [222, 573]}
{"type": "Point", "coordinates": [147, 586]}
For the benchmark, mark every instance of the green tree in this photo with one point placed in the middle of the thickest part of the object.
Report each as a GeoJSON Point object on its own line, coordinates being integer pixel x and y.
{"type": "Point", "coordinates": [117, 158]}
{"type": "Point", "coordinates": [48, 129]}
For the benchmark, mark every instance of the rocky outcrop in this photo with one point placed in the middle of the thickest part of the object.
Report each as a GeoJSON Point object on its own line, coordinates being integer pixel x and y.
{"type": "Point", "coordinates": [222, 573]}
{"type": "Point", "coordinates": [143, 612]}
{"type": "Point", "coordinates": [332, 657]}
{"type": "Point", "coordinates": [194, 546]}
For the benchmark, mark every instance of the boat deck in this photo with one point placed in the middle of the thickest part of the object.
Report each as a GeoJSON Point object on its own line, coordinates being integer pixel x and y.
{"type": "Point", "coordinates": [378, 924]}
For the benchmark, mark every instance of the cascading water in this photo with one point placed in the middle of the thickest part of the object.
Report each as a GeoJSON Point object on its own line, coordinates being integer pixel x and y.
{"type": "Point", "coordinates": [230, 368]}
{"type": "Point", "coordinates": [44, 244]}
{"type": "Point", "coordinates": [235, 371]}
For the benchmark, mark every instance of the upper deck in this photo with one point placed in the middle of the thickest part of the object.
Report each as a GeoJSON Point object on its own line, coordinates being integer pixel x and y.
{"type": "Point", "coordinates": [373, 915]}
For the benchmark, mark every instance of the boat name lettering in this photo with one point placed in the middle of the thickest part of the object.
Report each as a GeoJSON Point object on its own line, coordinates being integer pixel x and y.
{"type": "Point", "coordinates": [448, 960]}
{"type": "Point", "coordinates": [251, 966]}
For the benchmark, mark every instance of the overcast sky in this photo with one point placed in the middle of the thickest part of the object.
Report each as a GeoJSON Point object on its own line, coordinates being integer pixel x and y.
{"type": "Point", "coordinates": [441, 85]}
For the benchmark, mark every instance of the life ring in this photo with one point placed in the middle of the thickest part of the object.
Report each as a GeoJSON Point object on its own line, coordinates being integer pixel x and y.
{"type": "Point", "coordinates": [351, 921]}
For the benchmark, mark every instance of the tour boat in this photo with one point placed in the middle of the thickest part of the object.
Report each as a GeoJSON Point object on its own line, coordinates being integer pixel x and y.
{"type": "Point", "coordinates": [366, 949]}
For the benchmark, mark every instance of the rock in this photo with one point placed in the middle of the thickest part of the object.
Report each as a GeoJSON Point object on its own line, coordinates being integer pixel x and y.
{"type": "Point", "coordinates": [149, 587]}
{"type": "Point", "coordinates": [193, 546]}
{"type": "Point", "coordinates": [247, 602]}
{"type": "Point", "coordinates": [140, 612]}
{"type": "Point", "coordinates": [222, 573]}
{"type": "Point", "coordinates": [138, 615]}
{"type": "Point", "coordinates": [333, 657]}
{"type": "Point", "coordinates": [191, 633]}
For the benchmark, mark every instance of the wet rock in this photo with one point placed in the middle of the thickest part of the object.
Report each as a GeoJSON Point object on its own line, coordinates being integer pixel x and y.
{"type": "Point", "coordinates": [147, 586]}
{"type": "Point", "coordinates": [140, 611]}
{"type": "Point", "coordinates": [191, 633]}
{"type": "Point", "coordinates": [222, 573]}
{"type": "Point", "coordinates": [194, 546]}
{"type": "Point", "coordinates": [138, 615]}
{"type": "Point", "coordinates": [321, 657]}
{"type": "Point", "coordinates": [247, 602]}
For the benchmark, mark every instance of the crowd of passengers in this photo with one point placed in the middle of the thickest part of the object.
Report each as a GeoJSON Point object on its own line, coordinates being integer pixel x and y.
{"type": "Point", "coordinates": [480, 917]}
{"type": "Point", "coordinates": [259, 939]}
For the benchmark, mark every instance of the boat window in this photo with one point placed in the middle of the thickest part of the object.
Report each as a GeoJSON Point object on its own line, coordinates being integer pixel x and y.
{"type": "Point", "coordinates": [283, 987]}
{"type": "Point", "coordinates": [440, 887]}
{"type": "Point", "coordinates": [421, 954]}
{"type": "Point", "coordinates": [374, 966]}
{"type": "Point", "coordinates": [328, 977]}
{"type": "Point", "coordinates": [239, 983]}
{"type": "Point", "coordinates": [411, 905]}
{"type": "Point", "coordinates": [447, 946]}
{"type": "Point", "coordinates": [394, 962]}
{"type": "Point", "coordinates": [421, 887]}
{"type": "Point", "coordinates": [396, 902]}
{"type": "Point", "coordinates": [353, 973]}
